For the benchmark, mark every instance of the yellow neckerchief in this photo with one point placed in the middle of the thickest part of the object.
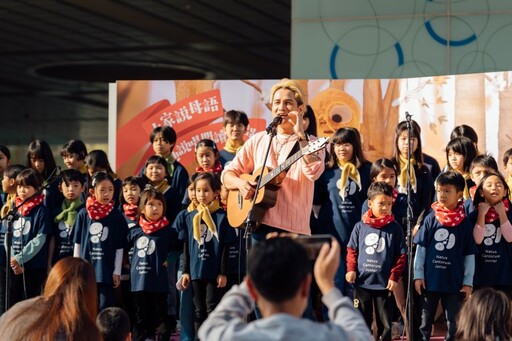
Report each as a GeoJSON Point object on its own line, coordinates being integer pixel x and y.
{"type": "Point", "coordinates": [466, 176]}
{"type": "Point", "coordinates": [402, 177]}
{"type": "Point", "coordinates": [191, 207]}
{"type": "Point", "coordinates": [83, 169]}
{"type": "Point", "coordinates": [8, 204]}
{"type": "Point", "coordinates": [204, 214]}
{"type": "Point", "coordinates": [348, 170]}
{"type": "Point", "coordinates": [509, 183]}
{"type": "Point", "coordinates": [232, 146]}
{"type": "Point", "coordinates": [162, 187]}
{"type": "Point", "coordinates": [170, 164]}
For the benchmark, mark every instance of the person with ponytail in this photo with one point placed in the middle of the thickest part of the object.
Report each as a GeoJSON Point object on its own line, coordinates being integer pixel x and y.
{"type": "Point", "coordinates": [99, 235]}
{"type": "Point", "coordinates": [66, 310]}
{"type": "Point", "coordinates": [151, 239]}
{"type": "Point", "coordinates": [206, 236]}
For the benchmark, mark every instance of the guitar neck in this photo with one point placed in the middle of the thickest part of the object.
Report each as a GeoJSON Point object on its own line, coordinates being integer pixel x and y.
{"type": "Point", "coordinates": [285, 165]}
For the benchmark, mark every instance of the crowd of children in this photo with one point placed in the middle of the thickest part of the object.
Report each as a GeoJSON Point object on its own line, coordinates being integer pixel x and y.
{"type": "Point", "coordinates": [149, 235]}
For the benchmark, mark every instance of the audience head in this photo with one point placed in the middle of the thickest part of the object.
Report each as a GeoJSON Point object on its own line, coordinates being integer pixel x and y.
{"type": "Point", "coordinates": [278, 268]}
{"type": "Point", "coordinates": [486, 315]}
{"type": "Point", "coordinates": [114, 324]}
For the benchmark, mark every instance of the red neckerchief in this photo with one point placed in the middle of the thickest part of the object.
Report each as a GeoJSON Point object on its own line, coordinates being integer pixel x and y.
{"type": "Point", "coordinates": [96, 209]}
{"type": "Point", "coordinates": [217, 168]}
{"type": "Point", "coordinates": [395, 195]}
{"type": "Point", "coordinates": [377, 222]}
{"type": "Point", "coordinates": [130, 211]}
{"type": "Point", "coordinates": [449, 218]}
{"type": "Point", "coordinates": [491, 215]}
{"type": "Point", "coordinates": [472, 192]}
{"type": "Point", "coordinates": [152, 226]}
{"type": "Point", "coordinates": [25, 209]}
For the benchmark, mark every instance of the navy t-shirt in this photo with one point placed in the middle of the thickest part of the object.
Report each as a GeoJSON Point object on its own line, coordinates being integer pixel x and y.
{"type": "Point", "coordinates": [27, 228]}
{"type": "Point", "coordinates": [99, 240]}
{"type": "Point", "coordinates": [493, 263]}
{"type": "Point", "coordinates": [338, 217]}
{"type": "Point", "coordinates": [205, 260]}
{"type": "Point", "coordinates": [63, 240]}
{"type": "Point", "coordinates": [148, 272]}
{"type": "Point", "coordinates": [377, 251]}
{"type": "Point", "coordinates": [446, 249]}
{"type": "Point", "coordinates": [225, 157]}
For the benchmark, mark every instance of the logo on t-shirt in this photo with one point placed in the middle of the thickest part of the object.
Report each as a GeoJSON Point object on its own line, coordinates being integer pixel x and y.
{"type": "Point", "coordinates": [349, 189]}
{"type": "Point", "coordinates": [206, 234]}
{"type": "Point", "coordinates": [21, 227]}
{"type": "Point", "coordinates": [145, 246]}
{"type": "Point", "coordinates": [374, 244]}
{"type": "Point", "coordinates": [444, 239]}
{"type": "Point", "coordinates": [64, 230]}
{"type": "Point", "coordinates": [492, 234]}
{"type": "Point", "coordinates": [98, 232]}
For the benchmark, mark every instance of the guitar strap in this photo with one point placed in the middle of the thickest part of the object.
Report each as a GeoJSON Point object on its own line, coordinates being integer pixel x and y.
{"type": "Point", "coordinates": [295, 149]}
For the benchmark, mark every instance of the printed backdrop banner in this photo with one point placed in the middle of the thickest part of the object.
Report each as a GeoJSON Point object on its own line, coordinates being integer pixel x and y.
{"type": "Point", "coordinates": [375, 106]}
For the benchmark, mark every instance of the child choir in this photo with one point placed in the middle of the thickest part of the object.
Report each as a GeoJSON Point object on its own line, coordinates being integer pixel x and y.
{"type": "Point", "coordinates": [141, 232]}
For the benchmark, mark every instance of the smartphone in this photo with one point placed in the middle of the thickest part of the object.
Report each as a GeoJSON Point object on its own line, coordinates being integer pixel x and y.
{"type": "Point", "coordinates": [314, 243]}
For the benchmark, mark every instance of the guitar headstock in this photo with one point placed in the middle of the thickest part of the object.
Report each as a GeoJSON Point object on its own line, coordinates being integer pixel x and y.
{"type": "Point", "coordinates": [314, 146]}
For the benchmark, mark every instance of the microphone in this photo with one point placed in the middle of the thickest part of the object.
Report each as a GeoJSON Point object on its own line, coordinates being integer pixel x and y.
{"type": "Point", "coordinates": [277, 121]}
{"type": "Point", "coordinates": [53, 176]}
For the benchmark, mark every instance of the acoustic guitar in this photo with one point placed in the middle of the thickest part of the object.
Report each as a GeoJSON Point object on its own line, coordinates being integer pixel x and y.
{"type": "Point", "coordinates": [238, 207]}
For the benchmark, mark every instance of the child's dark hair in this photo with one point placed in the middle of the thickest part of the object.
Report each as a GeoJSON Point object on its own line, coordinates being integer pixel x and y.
{"type": "Point", "coordinates": [29, 177]}
{"type": "Point", "coordinates": [209, 144]}
{"type": "Point", "coordinates": [379, 165]}
{"type": "Point", "coordinates": [463, 146]}
{"type": "Point", "coordinates": [98, 161]}
{"type": "Point", "coordinates": [192, 178]}
{"type": "Point", "coordinates": [12, 171]}
{"type": "Point", "coordinates": [378, 188]}
{"type": "Point", "coordinates": [310, 115]}
{"type": "Point", "coordinates": [212, 178]}
{"type": "Point", "coordinates": [168, 134]}
{"type": "Point", "coordinates": [451, 178]}
{"type": "Point", "coordinates": [507, 156]}
{"type": "Point", "coordinates": [278, 267]}
{"type": "Point", "coordinates": [76, 147]}
{"type": "Point", "coordinates": [4, 150]}
{"type": "Point", "coordinates": [40, 149]}
{"type": "Point", "coordinates": [347, 135]}
{"type": "Point", "coordinates": [478, 198]}
{"type": "Point", "coordinates": [160, 160]}
{"type": "Point", "coordinates": [416, 133]}
{"type": "Point", "coordinates": [99, 177]}
{"type": "Point", "coordinates": [464, 131]}
{"type": "Point", "coordinates": [113, 324]}
{"type": "Point", "coordinates": [131, 181]}
{"type": "Point", "coordinates": [150, 193]}
{"type": "Point", "coordinates": [485, 160]}
{"type": "Point", "coordinates": [235, 117]}
{"type": "Point", "coordinates": [69, 175]}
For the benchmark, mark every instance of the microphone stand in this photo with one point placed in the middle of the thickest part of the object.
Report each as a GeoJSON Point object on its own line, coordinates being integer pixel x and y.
{"type": "Point", "coordinates": [410, 286]}
{"type": "Point", "coordinates": [10, 218]}
{"type": "Point", "coordinates": [250, 223]}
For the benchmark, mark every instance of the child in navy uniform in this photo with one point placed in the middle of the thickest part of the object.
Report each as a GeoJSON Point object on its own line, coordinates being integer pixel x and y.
{"type": "Point", "coordinates": [99, 235]}
{"type": "Point", "coordinates": [493, 233]}
{"type": "Point", "coordinates": [444, 264]}
{"type": "Point", "coordinates": [234, 125]}
{"type": "Point", "coordinates": [72, 186]}
{"type": "Point", "coordinates": [29, 257]}
{"type": "Point", "coordinates": [480, 166]}
{"type": "Point", "coordinates": [206, 237]}
{"type": "Point", "coordinates": [151, 239]}
{"type": "Point", "coordinates": [460, 152]}
{"type": "Point", "coordinates": [376, 259]}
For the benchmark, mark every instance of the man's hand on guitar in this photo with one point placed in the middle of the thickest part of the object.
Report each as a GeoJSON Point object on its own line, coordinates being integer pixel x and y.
{"type": "Point", "coordinates": [247, 189]}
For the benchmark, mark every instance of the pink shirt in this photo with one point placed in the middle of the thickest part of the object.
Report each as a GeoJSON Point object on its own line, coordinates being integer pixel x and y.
{"type": "Point", "coordinates": [295, 197]}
